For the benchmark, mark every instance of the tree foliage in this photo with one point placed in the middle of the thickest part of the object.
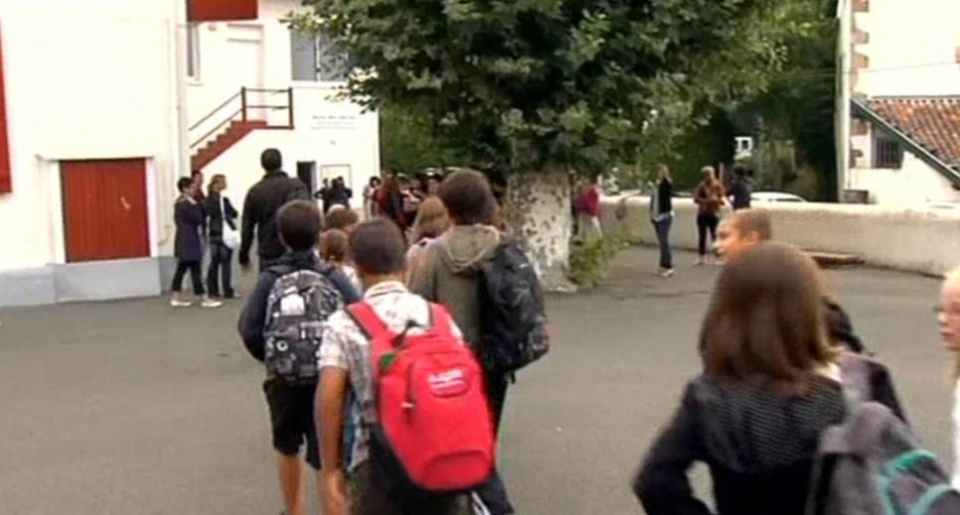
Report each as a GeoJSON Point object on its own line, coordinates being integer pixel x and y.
{"type": "Point", "coordinates": [545, 84]}
{"type": "Point", "coordinates": [410, 143]}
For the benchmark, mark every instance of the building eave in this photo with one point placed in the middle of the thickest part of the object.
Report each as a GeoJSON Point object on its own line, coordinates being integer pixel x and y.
{"type": "Point", "coordinates": [941, 166]}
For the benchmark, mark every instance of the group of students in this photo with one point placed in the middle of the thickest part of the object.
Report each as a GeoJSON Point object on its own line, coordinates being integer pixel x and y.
{"type": "Point", "coordinates": [790, 413]}
{"type": "Point", "coordinates": [205, 225]}
{"type": "Point", "coordinates": [394, 382]}
{"type": "Point", "coordinates": [711, 197]}
{"type": "Point", "coordinates": [398, 198]}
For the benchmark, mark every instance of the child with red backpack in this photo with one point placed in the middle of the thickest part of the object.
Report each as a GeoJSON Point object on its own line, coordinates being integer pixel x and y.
{"type": "Point", "coordinates": [426, 436]}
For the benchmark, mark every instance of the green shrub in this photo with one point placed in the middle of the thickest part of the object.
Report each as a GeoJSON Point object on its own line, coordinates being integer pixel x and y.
{"type": "Point", "coordinates": [589, 260]}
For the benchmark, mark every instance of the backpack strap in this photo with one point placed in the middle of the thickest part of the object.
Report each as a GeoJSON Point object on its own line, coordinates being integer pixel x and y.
{"type": "Point", "coordinates": [440, 319]}
{"type": "Point", "coordinates": [367, 320]}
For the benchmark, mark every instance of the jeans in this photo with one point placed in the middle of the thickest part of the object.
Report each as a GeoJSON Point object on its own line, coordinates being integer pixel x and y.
{"type": "Point", "coordinates": [707, 222]}
{"type": "Point", "coordinates": [195, 276]}
{"type": "Point", "coordinates": [663, 238]}
{"type": "Point", "coordinates": [220, 271]}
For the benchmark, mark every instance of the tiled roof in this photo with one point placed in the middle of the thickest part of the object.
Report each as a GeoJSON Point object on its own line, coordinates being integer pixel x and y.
{"type": "Point", "coordinates": [931, 122]}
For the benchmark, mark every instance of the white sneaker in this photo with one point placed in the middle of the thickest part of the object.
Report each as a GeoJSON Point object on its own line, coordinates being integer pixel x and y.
{"type": "Point", "coordinates": [667, 273]}
{"type": "Point", "coordinates": [180, 303]}
{"type": "Point", "coordinates": [211, 303]}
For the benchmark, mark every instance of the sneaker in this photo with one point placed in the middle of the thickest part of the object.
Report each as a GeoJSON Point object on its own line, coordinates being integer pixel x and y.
{"type": "Point", "coordinates": [211, 303]}
{"type": "Point", "coordinates": [666, 274]}
{"type": "Point", "coordinates": [180, 303]}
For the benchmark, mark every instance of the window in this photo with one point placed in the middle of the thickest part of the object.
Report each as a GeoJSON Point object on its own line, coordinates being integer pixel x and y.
{"type": "Point", "coordinates": [317, 58]}
{"type": "Point", "coordinates": [193, 51]}
{"type": "Point", "coordinates": [887, 152]}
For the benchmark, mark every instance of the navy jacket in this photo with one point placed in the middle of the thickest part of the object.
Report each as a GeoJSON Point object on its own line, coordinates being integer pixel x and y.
{"type": "Point", "coordinates": [253, 317]}
{"type": "Point", "coordinates": [190, 221]}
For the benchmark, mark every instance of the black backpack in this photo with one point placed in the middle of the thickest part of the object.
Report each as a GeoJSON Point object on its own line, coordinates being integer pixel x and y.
{"type": "Point", "coordinates": [514, 322]}
{"type": "Point", "coordinates": [300, 302]}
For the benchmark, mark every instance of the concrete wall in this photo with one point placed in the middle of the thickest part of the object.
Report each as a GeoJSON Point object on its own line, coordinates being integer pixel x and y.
{"type": "Point", "coordinates": [94, 81]}
{"type": "Point", "coordinates": [918, 240]}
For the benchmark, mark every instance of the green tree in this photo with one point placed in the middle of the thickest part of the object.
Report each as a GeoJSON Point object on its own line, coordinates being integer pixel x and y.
{"type": "Point", "coordinates": [541, 88]}
{"type": "Point", "coordinates": [410, 143]}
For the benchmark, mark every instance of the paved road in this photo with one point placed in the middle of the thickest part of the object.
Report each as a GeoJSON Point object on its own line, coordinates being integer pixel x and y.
{"type": "Point", "coordinates": [131, 408]}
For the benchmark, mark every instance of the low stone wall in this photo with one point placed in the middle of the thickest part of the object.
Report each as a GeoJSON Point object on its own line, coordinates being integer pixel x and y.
{"type": "Point", "coordinates": [916, 240]}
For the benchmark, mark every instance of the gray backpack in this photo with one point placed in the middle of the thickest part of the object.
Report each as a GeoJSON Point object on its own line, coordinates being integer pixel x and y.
{"type": "Point", "coordinates": [871, 464]}
{"type": "Point", "coordinates": [298, 307]}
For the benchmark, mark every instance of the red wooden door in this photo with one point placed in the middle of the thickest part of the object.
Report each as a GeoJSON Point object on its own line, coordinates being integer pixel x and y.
{"type": "Point", "coordinates": [6, 183]}
{"type": "Point", "coordinates": [105, 209]}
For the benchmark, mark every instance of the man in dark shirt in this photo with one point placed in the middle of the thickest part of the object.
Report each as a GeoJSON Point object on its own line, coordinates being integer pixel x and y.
{"type": "Point", "coordinates": [741, 189]}
{"type": "Point", "coordinates": [260, 209]}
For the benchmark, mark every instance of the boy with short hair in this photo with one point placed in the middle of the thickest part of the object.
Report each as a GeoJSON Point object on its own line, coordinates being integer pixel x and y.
{"type": "Point", "coordinates": [743, 231]}
{"type": "Point", "coordinates": [282, 326]}
{"type": "Point", "coordinates": [341, 218]}
{"type": "Point", "coordinates": [379, 253]}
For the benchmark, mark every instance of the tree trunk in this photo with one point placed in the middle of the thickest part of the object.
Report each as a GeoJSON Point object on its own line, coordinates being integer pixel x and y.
{"type": "Point", "coordinates": [538, 210]}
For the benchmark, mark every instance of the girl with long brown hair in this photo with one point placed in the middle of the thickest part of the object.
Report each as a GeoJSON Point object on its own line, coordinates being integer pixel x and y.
{"type": "Point", "coordinates": [771, 385]}
{"type": "Point", "coordinates": [432, 221]}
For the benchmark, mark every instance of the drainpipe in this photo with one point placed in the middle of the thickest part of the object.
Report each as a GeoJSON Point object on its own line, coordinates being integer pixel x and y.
{"type": "Point", "coordinates": [181, 154]}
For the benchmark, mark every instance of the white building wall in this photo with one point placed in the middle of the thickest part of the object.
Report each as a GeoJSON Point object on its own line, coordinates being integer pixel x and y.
{"type": "Point", "coordinates": [328, 131]}
{"type": "Point", "coordinates": [912, 48]}
{"type": "Point", "coordinates": [84, 80]}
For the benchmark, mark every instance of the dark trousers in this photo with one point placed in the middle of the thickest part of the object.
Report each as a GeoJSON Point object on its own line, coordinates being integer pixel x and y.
{"type": "Point", "coordinates": [493, 494]}
{"type": "Point", "coordinates": [195, 276]}
{"type": "Point", "coordinates": [663, 238]}
{"type": "Point", "coordinates": [370, 497]}
{"type": "Point", "coordinates": [707, 222]}
{"type": "Point", "coordinates": [220, 272]}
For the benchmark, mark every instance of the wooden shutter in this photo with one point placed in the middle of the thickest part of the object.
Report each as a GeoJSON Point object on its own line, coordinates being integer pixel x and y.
{"type": "Point", "coordinates": [222, 10]}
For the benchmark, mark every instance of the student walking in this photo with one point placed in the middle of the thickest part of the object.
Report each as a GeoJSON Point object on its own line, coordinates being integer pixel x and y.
{"type": "Point", "coordinates": [432, 221]}
{"type": "Point", "coordinates": [741, 189]}
{"type": "Point", "coordinates": [710, 199]}
{"type": "Point", "coordinates": [283, 326]}
{"type": "Point", "coordinates": [352, 343]}
{"type": "Point", "coordinates": [769, 389]}
{"type": "Point", "coordinates": [949, 320]}
{"type": "Point", "coordinates": [588, 213]}
{"type": "Point", "coordinates": [188, 245]}
{"type": "Point", "coordinates": [661, 215]}
{"type": "Point", "coordinates": [223, 237]}
{"type": "Point", "coordinates": [260, 209]}
{"type": "Point", "coordinates": [335, 250]}
{"type": "Point", "coordinates": [450, 274]}
{"type": "Point", "coordinates": [370, 193]}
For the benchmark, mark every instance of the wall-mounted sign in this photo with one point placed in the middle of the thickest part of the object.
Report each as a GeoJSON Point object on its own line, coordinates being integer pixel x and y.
{"type": "Point", "coordinates": [331, 121]}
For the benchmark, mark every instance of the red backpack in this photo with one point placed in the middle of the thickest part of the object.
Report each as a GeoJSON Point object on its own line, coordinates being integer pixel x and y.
{"type": "Point", "coordinates": [434, 429]}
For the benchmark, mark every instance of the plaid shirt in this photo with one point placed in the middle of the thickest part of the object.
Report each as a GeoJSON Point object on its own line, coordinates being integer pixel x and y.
{"type": "Point", "coordinates": [346, 347]}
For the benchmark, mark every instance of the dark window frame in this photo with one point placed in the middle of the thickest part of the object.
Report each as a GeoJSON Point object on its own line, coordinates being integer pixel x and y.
{"type": "Point", "coordinates": [887, 151]}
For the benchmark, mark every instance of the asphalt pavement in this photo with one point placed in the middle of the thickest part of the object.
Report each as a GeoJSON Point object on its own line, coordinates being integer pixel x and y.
{"type": "Point", "coordinates": [133, 408]}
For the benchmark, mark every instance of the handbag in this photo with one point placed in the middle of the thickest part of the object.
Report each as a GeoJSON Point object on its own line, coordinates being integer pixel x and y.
{"type": "Point", "coordinates": [231, 236]}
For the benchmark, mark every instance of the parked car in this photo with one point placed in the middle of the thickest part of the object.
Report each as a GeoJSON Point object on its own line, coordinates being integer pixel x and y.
{"type": "Point", "coordinates": [763, 197]}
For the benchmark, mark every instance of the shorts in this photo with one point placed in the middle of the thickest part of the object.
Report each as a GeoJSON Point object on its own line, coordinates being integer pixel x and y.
{"type": "Point", "coordinates": [292, 419]}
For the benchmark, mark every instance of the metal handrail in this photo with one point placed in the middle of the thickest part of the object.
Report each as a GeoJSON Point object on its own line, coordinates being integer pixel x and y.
{"type": "Point", "coordinates": [243, 111]}
{"type": "Point", "coordinates": [216, 110]}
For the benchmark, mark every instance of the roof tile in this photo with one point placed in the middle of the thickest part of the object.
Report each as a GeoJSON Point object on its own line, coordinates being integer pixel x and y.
{"type": "Point", "coordinates": [932, 122]}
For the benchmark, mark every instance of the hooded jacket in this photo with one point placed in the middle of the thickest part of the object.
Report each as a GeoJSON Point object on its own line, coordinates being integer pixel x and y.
{"type": "Point", "coordinates": [759, 444]}
{"type": "Point", "coordinates": [449, 274]}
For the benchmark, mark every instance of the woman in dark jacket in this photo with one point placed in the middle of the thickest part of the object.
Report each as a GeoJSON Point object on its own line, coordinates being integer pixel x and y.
{"type": "Point", "coordinates": [188, 246]}
{"type": "Point", "coordinates": [771, 386]}
{"type": "Point", "coordinates": [221, 219]}
{"type": "Point", "coordinates": [392, 202]}
{"type": "Point", "coordinates": [661, 214]}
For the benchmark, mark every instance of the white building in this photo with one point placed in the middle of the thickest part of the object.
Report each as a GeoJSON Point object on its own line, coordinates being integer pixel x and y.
{"type": "Point", "coordinates": [98, 119]}
{"type": "Point", "coordinates": [898, 108]}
